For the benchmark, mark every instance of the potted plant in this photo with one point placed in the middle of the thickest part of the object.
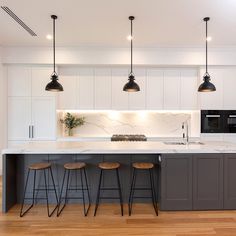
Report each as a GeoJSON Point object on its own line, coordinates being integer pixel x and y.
{"type": "Point", "coordinates": [70, 121]}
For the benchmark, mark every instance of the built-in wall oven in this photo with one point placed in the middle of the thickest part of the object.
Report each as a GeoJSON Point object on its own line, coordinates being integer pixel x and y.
{"type": "Point", "coordinates": [230, 121]}
{"type": "Point", "coordinates": [212, 121]}
{"type": "Point", "coordinates": [218, 121]}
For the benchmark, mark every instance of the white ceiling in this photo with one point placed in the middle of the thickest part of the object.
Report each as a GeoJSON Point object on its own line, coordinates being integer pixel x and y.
{"type": "Point", "coordinates": [105, 22]}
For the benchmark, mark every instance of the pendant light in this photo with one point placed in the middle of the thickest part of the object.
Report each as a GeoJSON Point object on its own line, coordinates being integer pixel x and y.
{"type": "Point", "coordinates": [54, 85]}
{"type": "Point", "coordinates": [206, 86]}
{"type": "Point", "coordinates": [131, 85]}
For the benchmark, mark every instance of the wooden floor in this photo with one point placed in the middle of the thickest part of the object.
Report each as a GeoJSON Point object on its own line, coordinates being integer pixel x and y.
{"type": "Point", "coordinates": [108, 222]}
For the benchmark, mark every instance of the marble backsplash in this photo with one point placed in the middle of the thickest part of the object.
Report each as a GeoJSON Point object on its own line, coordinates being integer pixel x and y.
{"type": "Point", "coordinates": [150, 123]}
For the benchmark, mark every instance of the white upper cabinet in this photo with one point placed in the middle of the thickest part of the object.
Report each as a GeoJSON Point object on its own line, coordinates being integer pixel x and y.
{"type": "Point", "coordinates": [137, 100]}
{"type": "Point", "coordinates": [172, 79]}
{"type": "Point", "coordinates": [189, 87]}
{"type": "Point", "coordinates": [41, 76]}
{"type": "Point", "coordinates": [119, 97]}
{"type": "Point", "coordinates": [213, 100]}
{"type": "Point", "coordinates": [102, 88]}
{"type": "Point", "coordinates": [67, 100]}
{"type": "Point", "coordinates": [19, 118]}
{"type": "Point", "coordinates": [85, 89]}
{"type": "Point", "coordinates": [229, 93]}
{"type": "Point", "coordinates": [154, 85]}
{"type": "Point", "coordinates": [43, 118]}
{"type": "Point", "coordinates": [19, 81]}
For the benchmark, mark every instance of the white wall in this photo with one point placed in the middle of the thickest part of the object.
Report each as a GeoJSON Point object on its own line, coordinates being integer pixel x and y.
{"type": "Point", "coordinates": [120, 56]}
{"type": "Point", "coordinates": [3, 97]}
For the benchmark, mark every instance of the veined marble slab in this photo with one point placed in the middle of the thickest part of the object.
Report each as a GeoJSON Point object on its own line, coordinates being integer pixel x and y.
{"type": "Point", "coordinates": [108, 147]}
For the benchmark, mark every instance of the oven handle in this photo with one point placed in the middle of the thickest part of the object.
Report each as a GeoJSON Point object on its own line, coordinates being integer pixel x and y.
{"type": "Point", "coordinates": [212, 116]}
{"type": "Point", "coordinates": [232, 116]}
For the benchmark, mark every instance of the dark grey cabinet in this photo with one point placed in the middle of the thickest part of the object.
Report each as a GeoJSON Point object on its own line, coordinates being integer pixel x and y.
{"type": "Point", "coordinates": [176, 182]}
{"type": "Point", "coordinates": [207, 181]}
{"type": "Point", "coordinates": [229, 181]}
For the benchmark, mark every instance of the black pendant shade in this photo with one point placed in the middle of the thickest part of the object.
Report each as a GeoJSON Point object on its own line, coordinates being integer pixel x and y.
{"type": "Point", "coordinates": [131, 85]}
{"type": "Point", "coordinates": [206, 86]}
{"type": "Point", "coordinates": [54, 85]}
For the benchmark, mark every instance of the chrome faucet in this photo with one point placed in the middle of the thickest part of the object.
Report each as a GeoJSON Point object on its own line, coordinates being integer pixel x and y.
{"type": "Point", "coordinates": [185, 132]}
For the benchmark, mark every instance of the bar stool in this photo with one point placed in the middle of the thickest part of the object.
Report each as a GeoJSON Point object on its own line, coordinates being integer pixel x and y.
{"type": "Point", "coordinates": [36, 168]}
{"type": "Point", "coordinates": [109, 166]}
{"type": "Point", "coordinates": [68, 167]}
{"type": "Point", "coordinates": [146, 167]}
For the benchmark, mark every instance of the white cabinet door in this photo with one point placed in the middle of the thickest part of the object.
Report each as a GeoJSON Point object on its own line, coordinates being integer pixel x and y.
{"type": "Point", "coordinates": [19, 118]}
{"type": "Point", "coordinates": [154, 85]}
{"type": "Point", "coordinates": [85, 89]}
{"type": "Point", "coordinates": [19, 81]}
{"type": "Point", "coordinates": [67, 100]}
{"type": "Point", "coordinates": [137, 100]}
{"type": "Point", "coordinates": [189, 87]}
{"type": "Point", "coordinates": [40, 78]}
{"type": "Point", "coordinates": [172, 80]}
{"type": "Point", "coordinates": [44, 118]}
{"type": "Point", "coordinates": [120, 99]}
{"type": "Point", "coordinates": [103, 88]}
{"type": "Point", "coordinates": [229, 94]}
{"type": "Point", "coordinates": [213, 100]}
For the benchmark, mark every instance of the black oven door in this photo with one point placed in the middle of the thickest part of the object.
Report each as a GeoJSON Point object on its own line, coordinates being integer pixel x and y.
{"type": "Point", "coordinates": [211, 121]}
{"type": "Point", "coordinates": [230, 121]}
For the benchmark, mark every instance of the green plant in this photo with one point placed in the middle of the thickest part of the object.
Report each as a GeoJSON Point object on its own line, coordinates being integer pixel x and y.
{"type": "Point", "coordinates": [71, 121]}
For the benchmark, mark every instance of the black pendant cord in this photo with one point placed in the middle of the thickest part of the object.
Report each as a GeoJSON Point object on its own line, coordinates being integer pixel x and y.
{"type": "Point", "coordinates": [54, 17]}
{"type": "Point", "coordinates": [131, 43]}
{"type": "Point", "coordinates": [206, 50]}
{"type": "Point", "coordinates": [54, 43]}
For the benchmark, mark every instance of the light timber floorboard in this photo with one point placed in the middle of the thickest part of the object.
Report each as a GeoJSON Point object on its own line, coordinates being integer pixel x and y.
{"type": "Point", "coordinates": [108, 222]}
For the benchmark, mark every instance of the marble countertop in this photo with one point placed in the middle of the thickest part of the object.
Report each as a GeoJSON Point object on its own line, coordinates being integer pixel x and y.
{"type": "Point", "coordinates": [108, 147]}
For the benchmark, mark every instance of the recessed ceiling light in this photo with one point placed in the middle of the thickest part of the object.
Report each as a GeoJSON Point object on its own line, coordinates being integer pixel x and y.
{"type": "Point", "coordinates": [130, 37]}
{"type": "Point", "coordinates": [209, 38]}
{"type": "Point", "coordinates": [49, 36]}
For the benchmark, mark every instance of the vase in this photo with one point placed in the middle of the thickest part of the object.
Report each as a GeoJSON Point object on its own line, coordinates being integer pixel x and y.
{"type": "Point", "coordinates": [70, 133]}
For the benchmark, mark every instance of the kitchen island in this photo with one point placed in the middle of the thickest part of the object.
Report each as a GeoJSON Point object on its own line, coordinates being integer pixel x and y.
{"type": "Point", "coordinates": [188, 177]}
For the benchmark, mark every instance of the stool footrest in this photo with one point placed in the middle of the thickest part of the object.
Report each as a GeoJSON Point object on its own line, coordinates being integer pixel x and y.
{"type": "Point", "coordinates": [142, 189]}
{"type": "Point", "coordinates": [109, 198]}
{"type": "Point", "coordinates": [142, 197]}
{"type": "Point", "coordinates": [74, 189]}
{"type": "Point", "coordinates": [109, 189]}
{"type": "Point", "coordinates": [68, 198]}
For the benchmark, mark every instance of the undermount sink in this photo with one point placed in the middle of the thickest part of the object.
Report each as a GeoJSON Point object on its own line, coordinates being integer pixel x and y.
{"type": "Point", "coordinates": [183, 143]}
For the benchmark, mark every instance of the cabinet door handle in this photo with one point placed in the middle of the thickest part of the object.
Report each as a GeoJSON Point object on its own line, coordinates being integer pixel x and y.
{"type": "Point", "coordinates": [32, 131]}
{"type": "Point", "coordinates": [213, 116]}
{"type": "Point", "coordinates": [29, 131]}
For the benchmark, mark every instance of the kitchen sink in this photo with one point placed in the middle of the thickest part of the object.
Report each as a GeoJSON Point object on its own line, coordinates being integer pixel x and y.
{"type": "Point", "coordinates": [183, 143]}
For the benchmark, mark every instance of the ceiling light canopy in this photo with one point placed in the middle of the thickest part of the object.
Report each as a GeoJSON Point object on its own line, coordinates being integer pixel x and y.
{"type": "Point", "coordinates": [206, 86]}
{"type": "Point", "coordinates": [54, 85]}
{"type": "Point", "coordinates": [131, 85]}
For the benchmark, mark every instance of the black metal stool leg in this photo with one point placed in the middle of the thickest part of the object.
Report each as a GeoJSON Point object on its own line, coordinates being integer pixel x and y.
{"type": "Point", "coordinates": [60, 197]}
{"type": "Point", "coordinates": [86, 181]}
{"type": "Point", "coordinates": [22, 205]}
{"type": "Point", "coordinates": [132, 191]}
{"type": "Point", "coordinates": [98, 193]}
{"type": "Point", "coordinates": [82, 186]}
{"type": "Point", "coordinates": [120, 194]}
{"type": "Point", "coordinates": [154, 202]}
{"type": "Point", "coordinates": [55, 191]}
{"type": "Point", "coordinates": [46, 191]}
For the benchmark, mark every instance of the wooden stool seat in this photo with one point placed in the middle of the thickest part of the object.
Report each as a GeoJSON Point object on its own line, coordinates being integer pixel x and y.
{"type": "Point", "coordinates": [143, 165]}
{"type": "Point", "coordinates": [74, 166]}
{"type": "Point", "coordinates": [109, 165]}
{"type": "Point", "coordinates": [40, 166]}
